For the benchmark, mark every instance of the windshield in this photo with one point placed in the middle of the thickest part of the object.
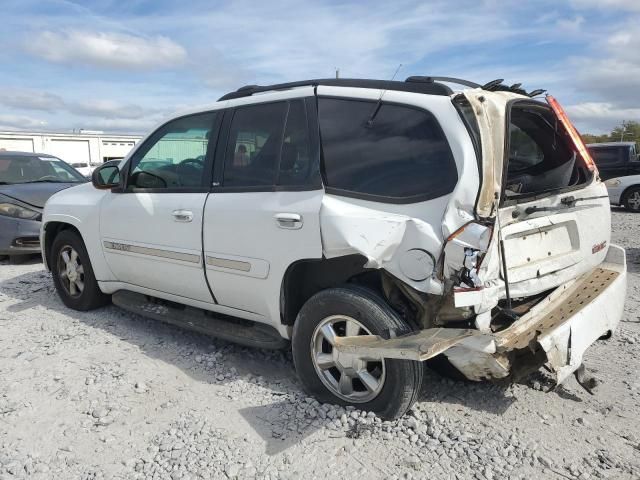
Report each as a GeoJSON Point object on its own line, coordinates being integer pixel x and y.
{"type": "Point", "coordinates": [29, 169]}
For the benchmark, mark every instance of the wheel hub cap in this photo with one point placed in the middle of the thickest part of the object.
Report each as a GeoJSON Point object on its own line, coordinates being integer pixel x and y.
{"type": "Point", "coordinates": [349, 376]}
{"type": "Point", "coordinates": [71, 271]}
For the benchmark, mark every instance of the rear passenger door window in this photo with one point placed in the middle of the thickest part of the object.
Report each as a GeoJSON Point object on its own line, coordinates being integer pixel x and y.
{"type": "Point", "coordinates": [384, 152]}
{"type": "Point", "coordinates": [254, 144]}
{"type": "Point", "coordinates": [270, 145]}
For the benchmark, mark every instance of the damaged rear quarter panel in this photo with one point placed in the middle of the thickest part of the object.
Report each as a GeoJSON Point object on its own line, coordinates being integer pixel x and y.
{"type": "Point", "coordinates": [396, 237]}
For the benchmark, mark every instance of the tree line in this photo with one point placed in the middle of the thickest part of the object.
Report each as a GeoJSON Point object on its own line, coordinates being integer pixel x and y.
{"type": "Point", "coordinates": [627, 131]}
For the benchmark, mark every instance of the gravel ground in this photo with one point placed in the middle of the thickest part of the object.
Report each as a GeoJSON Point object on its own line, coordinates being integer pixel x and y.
{"type": "Point", "coordinates": [110, 395]}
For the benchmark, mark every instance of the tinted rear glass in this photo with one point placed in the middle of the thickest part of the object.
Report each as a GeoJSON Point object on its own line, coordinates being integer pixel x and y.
{"type": "Point", "coordinates": [542, 157]}
{"type": "Point", "coordinates": [400, 153]}
{"type": "Point", "coordinates": [607, 155]}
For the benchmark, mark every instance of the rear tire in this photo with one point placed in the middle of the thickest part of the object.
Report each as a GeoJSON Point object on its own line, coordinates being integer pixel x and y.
{"type": "Point", "coordinates": [387, 387]}
{"type": "Point", "coordinates": [73, 275]}
{"type": "Point", "coordinates": [631, 200]}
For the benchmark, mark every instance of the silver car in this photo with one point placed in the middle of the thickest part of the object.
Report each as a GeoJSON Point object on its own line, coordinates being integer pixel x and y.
{"type": "Point", "coordinates": [27, 180]}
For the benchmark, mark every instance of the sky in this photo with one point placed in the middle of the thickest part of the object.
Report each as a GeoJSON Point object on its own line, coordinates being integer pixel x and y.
{"type": "Point", "coordinates": [123, 66]}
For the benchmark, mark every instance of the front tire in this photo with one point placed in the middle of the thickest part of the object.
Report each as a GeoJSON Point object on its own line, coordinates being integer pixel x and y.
{"type": "Point", "coordinates": [631, 200]}
{"type": "Point", "coordinates": [73, 275]}
{"type": "Point", "coordinates": [387, 387]}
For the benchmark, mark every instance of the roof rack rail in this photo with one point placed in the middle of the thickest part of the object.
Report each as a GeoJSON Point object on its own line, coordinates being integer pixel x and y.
{"type": "Point", "coordinates": [429, 79]}
{"type": "Point", "coordinates": [416, 84]}
{"type": "Point", "coordinates": [431, 88]}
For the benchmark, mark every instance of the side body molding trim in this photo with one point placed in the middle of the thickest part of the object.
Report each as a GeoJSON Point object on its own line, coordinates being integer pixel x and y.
{"type": "Point", "coordinates": [154, 252]}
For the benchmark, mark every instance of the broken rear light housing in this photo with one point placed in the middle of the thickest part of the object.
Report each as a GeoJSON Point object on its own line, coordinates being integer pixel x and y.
{"type": "Point", "coordinates": [573, 133]}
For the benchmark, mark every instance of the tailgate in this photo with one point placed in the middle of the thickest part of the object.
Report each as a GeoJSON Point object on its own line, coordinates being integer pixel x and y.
{"type": "Point", "coordinates": [554, 216]}
{"type": "Point", "coordinates": [565, 238]}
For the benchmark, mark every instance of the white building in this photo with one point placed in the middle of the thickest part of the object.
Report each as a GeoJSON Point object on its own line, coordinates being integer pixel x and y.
{"type": "Point", "coordinates": [82, 150]}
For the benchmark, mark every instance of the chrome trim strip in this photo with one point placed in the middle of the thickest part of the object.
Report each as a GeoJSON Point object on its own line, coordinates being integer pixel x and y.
{"type": "Point", "coordinates": [226, 263]}
{"type": "Point", "coordinates": [153, 252]}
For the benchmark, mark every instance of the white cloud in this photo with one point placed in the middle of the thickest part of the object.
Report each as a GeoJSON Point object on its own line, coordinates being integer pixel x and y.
{"type": "Point", "coordinates": [125, 125]}
{"type": "Point", "coordinates": [572, 25]}
{"type": "Point", "coordinates": [30, 99]}
{"type": "Point", "coordinates": [611, 73]}
{"type": "Point", "coordinates": [607, 4]}
{"type": "Point", "coordinates": [20, 122]}
{"type": "Point", "coordinates": [596, 117]}
{"type": "Point", "coordinates": [271, 42]}
{"type": "Point", "coordinates": [112, 50]}
{"type": "Point", "coordinates": [109, 109]}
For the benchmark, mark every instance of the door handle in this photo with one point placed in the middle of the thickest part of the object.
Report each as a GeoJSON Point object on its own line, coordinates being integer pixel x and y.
{"type": "Point", "coordinates": [291, 221]}
{"type": "Point", "coordinates": [184, 216]}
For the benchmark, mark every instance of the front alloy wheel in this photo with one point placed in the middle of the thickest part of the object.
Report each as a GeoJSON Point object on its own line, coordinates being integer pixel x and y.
{"type": "Point", "coordinates": [71, 271]}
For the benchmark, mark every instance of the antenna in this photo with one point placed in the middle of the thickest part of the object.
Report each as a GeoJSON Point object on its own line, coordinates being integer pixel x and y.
{"type": "Point", "coordinates": [376, 109]}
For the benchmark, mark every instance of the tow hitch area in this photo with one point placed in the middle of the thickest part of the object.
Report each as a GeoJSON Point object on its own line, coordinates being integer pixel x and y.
{"type": "Point", "coordinates": [556, 332]}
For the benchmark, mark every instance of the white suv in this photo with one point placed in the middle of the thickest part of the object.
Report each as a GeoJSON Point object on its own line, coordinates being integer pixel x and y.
{"type": "Point", "coordinates": [373, 224]}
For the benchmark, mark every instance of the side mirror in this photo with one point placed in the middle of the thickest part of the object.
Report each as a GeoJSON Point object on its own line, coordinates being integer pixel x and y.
{"type": "Point", "coordinates": [106, 177]}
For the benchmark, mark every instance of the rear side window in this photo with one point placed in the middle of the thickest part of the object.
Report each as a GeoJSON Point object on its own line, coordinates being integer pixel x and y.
{"type": "Point", "coordinates": [400, 153]}
{"type": "Point", "coordinates": [605, 156]}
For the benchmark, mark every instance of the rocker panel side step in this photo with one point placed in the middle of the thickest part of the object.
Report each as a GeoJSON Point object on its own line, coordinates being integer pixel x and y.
{"type": "Point", "coordinates": [243, 332]}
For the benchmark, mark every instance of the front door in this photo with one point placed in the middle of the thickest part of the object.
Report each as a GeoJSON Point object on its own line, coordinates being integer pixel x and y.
{"type": "Point", "coordinates": [151, 232]}
{"type": "Point", "coordinates": [263, 212]}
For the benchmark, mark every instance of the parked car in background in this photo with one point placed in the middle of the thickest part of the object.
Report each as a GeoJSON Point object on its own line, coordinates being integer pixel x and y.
{"type": "Point", "coordinates": [374, 224]}
{"type": "Point", "coordinates": [625, 192]}
{"type": "Point", "coordinates": [27, 180]}
{"type": "Point", "coordinates": [615, 159]}
{"type": "Point", "coordinates": [85, 168]}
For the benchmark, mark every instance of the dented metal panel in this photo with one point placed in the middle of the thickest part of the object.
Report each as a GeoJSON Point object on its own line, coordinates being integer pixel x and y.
{"type": "Point", "coordinates": [386, 239]}
{"type": "Point", "coordinates": [563, 325]}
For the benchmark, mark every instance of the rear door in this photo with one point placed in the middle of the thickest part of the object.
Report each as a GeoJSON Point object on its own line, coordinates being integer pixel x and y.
{"type": "Point", "coordinates": [263, 211]}
{"type": "Point", "coordinates": [555, 213]}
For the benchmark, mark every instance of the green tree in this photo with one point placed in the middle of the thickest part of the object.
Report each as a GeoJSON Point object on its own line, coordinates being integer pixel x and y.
{"type": "Point", "coordinates": [627, 131]}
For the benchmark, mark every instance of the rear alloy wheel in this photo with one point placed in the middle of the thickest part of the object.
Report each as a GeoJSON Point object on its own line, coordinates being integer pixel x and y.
{"type": "Point", "coordinates": [631, 199]}
{"type": "Point", "coordinates": [387, 387]}
{"type": "Point", "coordinates": [349, 377]}
{"type": "Point", "coordinates": [72, 273]}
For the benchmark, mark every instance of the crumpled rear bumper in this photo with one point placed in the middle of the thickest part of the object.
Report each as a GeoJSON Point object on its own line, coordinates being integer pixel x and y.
{"type": "Point", "coordinates": [557, 331]}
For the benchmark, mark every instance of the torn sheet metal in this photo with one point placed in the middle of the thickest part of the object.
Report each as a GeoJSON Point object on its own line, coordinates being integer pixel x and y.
{"type": "Point", "coordinates": [477, 366]}
{"type": "Point", "coordinates": [490, 110]}
{"type": "Point", "coordinates": [417, 346]}
{"type": "Point", "coordinates": [563, 326]}
{"type": "Point", "coordinates": [405, 247]}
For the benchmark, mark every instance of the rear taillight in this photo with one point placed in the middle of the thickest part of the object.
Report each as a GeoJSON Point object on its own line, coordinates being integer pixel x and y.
{"type": "Point", "coordinates": [573, 133]}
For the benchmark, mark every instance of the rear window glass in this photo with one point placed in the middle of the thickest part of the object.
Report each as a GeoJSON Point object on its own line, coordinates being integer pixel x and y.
{"type": "Point", "coordinates": [541, 155]}
{"type": "Point", "coordinates": [607, 155]}
{"type": "Point", "coordinates": [384, 151]}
